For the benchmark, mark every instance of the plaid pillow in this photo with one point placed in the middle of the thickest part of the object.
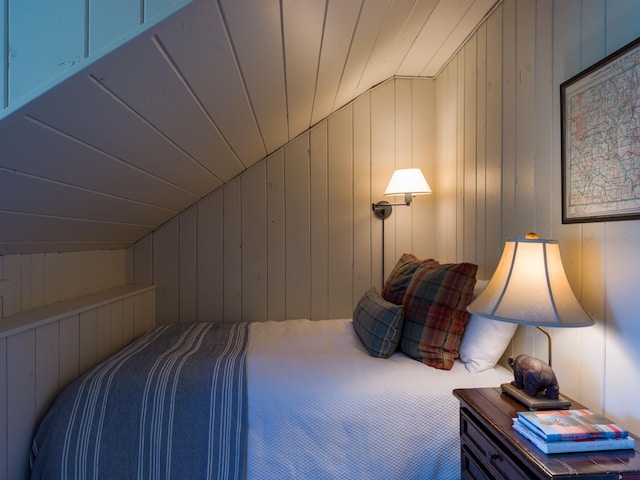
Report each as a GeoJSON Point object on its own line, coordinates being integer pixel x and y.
{"type": "Point", "coordinates": [378, 323]}
{"type": "Point", "coordinates": [400, 276]}
{"type": "Point", "coordinates": [435, 311]}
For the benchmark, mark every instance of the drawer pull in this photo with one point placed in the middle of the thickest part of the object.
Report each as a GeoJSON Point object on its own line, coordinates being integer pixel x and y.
{"type": "Point", "coordinates": [491, 456]}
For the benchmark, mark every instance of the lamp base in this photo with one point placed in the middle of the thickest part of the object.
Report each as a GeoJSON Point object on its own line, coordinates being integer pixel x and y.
{"type": "Point", "coordinates": [536, 403]}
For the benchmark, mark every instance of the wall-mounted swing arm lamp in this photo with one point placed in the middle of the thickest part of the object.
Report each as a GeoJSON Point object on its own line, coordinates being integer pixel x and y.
{"type": "Point", "coordinates": [406, 181]}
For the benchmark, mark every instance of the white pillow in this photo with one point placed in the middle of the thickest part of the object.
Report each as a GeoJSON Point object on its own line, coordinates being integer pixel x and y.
{"type": "Point", "coordinates": [484, 340]}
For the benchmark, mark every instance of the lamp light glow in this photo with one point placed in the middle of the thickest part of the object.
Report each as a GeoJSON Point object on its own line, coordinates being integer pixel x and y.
{"type": "Point", "coordinates": [530, 287]}
{"type": "Point", "coordinates": [408, 182]}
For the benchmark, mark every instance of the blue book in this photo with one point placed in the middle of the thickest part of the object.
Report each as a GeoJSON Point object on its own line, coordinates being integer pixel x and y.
{"type": "Point", "coordinates": [560, 425]}
{"type": "Point", "coordinates": [572, 446]}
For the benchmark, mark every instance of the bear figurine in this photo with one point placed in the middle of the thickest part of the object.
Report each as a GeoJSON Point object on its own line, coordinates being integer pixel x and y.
{"type": "Point", "coordinates": [533, 375]}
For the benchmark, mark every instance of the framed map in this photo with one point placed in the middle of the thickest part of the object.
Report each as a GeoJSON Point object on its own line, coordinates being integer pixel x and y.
{"type": "Point", "coordinates": [600, 139]}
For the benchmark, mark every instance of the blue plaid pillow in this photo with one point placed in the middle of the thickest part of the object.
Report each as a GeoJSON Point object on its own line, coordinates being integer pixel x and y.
{"type": "Point", "coordinates": [378, 323]}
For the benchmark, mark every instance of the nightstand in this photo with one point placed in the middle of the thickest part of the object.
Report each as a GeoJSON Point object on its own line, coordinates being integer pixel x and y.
{"type": "Point", "coordinates": [491, 449]}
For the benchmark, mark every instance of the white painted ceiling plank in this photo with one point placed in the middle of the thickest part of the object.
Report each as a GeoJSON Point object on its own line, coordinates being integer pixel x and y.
{"type": "Point", "coordinates": [163, 99]}
{"type": "Point", "coordinates": [457, 36]}
{"type": "Point", "coordinates": [29, 147]}
{"type": "Point", "coordinates": [200, 48]}
{"type": "Point", "coordinates": [147, 130]}
{"type": "Point", "coordinates": [444, 17]}
{"type": "Point", "coordinates": [381, 64]}
{"type": "Point", "coordinates": [80, 108]}
{"type": "Point", "coordinates": [370, 22]}
{"type": "Point", "coordinates": [256, 34]}
{"type": "Point", "coordinates": [340, 23]}
{"type": "Point", "coordinates": [56, 199]}
{"type": "Point", "coordinates": [393, 55]}
{"type": "Point", "coordinates": [303, 27]}
{"type": "Point", "coordinates": [19, 227]}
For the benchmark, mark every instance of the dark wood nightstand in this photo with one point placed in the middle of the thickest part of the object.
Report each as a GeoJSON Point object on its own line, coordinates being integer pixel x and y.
{"type": "Point", "coordinates": [491, 449]}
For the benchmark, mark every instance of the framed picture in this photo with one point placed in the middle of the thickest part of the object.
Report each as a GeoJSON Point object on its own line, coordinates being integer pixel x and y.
{"type": "Point", "coordinates": [600, 139]}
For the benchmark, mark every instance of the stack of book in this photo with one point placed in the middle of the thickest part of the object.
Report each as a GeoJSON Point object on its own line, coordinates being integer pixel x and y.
{"type": "Point", "coordinates": [563, 431]}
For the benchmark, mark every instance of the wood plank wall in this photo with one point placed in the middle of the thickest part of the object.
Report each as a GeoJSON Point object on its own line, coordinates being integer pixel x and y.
{"type": "Point", "coordinates": [35, 51]}
{"type": "Point", "coordinates": [294, 236]}
{"type": "Point", "coordinates": [36, 363]}
{"type": "Point", "coordinates": [498, 132]}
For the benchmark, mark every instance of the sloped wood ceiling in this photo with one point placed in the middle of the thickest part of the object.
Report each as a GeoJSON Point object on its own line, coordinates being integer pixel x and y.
{"type": "Point", "coordinates": [119, 148]}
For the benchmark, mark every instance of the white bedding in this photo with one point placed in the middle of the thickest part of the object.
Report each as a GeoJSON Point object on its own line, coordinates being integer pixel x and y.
{"type": "Point", "coordinates": [321, 408]}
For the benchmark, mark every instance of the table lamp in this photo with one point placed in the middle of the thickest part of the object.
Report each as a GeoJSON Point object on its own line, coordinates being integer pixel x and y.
{"type": "Point", "coordinates": [530, 287]}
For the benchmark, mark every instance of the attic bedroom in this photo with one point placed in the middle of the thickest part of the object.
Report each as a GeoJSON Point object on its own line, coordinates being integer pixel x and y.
{"type": "Point", "coordinates": [193, 161]}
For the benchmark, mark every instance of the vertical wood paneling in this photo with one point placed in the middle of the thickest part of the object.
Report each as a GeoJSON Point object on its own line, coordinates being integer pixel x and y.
{"type": "Point", "coordinates": [459, 149]}
{"type": "Point", "coordinates": [109, 21]}
{"type": "Point", "coordinates": [4, 430]}
{"type": "Point", "coordinates": [52, 270]}
{"type": "Point", "coordinates": [525, 110]}
{"type": "Point", "coordinates": [340, 208]}
{"type": "Point", "coordinates": [362, 214]}
{"type": "Point", "coordinates": [35, 364]}
{"type": "Point", "coordinates": [382, 167]}
{"type": "Point", "coordinates": [210, 251]}
{"type": "Point", "coordinates": [403, 102]}
{"type": "Point", "coordinates": [103, 332]}
{"type": "Point", "coordinates": [319, 250]}
{"type": "Point", "coordinates": [276, 236]}
{"type": "Point", "coordinates": [69, 349]}
{"type": "Point", "coordinates": [294, 236]}
{"type": "Point", "coordinates": [128, 320]}
{"type": "Point", "coordinates": [547, 165]}
{"type": "Point", "coordinates": [32, 281]}
{"type": "Point", "coordinates": [21, 398]}
{"type": "Point", "coordinates": [297, 229]}
{"type": "Point", "coordinates": [4, 48]}
{"type": "Point", "coordinates": [493, 119]}
{"type": "Point", "coordinates": [38, 58]}
{"type": "Point", "coordinates": [509, 123]}
{"type": "Point", "coordinates": [470, 154]}
{"type": "Point", "coordinates": [481, 151]}
{"type": "Point", "coordinates": [255, 274]}
{"type": "Point", "coordinates": [232, 259]}
{"type": "Point", "coordinates": [188, 265]}
{"type": "Point", "coordinates": [622, 23]}
{"type": "Point", "coordinates": [592, 279]}
{"type": "Point", "coordinates": [88, 339]}
{"type": "Point", "coordinates": [423, 141]}
{"type": "Point", "coordinates": [47, 365]}
{"type": "Point", "coordinates": [166, 271]}
{"type": "Point", "coordinates": [143, 261]}
{"type": "Point", "coordinates": [11, 293]}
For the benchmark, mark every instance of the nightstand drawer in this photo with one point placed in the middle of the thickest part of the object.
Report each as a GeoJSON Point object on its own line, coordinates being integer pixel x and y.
{"type": "Point", "coordinates": [492, 456]}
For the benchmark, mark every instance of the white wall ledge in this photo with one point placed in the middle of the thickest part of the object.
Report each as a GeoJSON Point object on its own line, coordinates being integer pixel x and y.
{"type": "Point", "coordinates": [37, 317]}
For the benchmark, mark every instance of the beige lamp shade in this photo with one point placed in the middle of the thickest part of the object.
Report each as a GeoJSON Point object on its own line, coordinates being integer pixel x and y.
{"type": "Point", "coordinates": [407, 181]}
{"type": "Point", "coordinates": [530, 287]}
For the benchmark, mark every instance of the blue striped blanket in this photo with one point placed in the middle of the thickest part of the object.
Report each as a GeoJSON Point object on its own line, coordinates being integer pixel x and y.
{"type": "Point", "coordinates": [170, 405]}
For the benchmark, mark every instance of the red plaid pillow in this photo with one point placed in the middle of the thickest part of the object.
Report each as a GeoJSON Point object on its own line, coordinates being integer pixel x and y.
{"type": "Point", "coordinates": [435, 311]}
{"type": "Point", "coordinates": [400, 276]}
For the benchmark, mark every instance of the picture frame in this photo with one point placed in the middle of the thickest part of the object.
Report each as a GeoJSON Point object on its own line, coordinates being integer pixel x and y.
{"type": "Point", "coordinates": [600, 140]}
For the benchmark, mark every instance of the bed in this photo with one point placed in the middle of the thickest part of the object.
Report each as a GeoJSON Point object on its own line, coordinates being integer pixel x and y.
{"type": "Point", "coordinates": [291, 399]}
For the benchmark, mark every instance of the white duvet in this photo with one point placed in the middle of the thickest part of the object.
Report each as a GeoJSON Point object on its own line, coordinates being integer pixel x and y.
{"type": "Point", "coordinates": [321, 408]}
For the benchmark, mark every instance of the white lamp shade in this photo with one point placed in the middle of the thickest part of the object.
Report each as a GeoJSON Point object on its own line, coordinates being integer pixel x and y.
{"type": "Point", "coordinates": [407, 180]}
{"type": "Point", "coordinates": [530, 287]}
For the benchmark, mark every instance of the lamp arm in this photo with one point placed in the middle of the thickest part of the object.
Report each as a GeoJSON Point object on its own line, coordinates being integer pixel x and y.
{"type": "Point", "coordinates": [548, 341]}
